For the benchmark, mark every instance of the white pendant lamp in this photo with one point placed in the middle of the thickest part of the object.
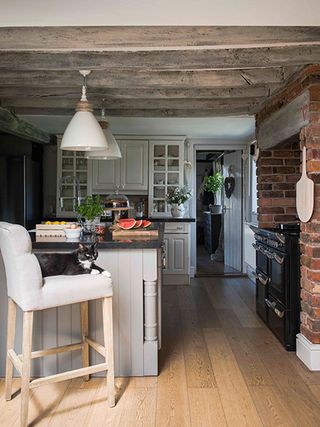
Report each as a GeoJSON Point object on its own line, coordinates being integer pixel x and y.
{"type": "Point", "coordinates": [112, 151]}
{"type": "Point", "coordinates": [83, 132]}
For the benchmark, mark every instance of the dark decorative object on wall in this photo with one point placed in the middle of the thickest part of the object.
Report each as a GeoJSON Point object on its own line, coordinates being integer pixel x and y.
{"type": "Point", "coordinates": [229, 184]}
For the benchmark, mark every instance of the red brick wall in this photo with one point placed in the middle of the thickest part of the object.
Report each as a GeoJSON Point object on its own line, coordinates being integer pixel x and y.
{"type": "Point", "coordinates": [310, 232]}
{"type": "Point", "coordinates": [276, 192]}
{"type": "Point", "coordinates": [278, 172]}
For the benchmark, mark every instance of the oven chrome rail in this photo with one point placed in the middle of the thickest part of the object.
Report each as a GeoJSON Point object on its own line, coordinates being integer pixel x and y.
{"type": "Point", "coordinates": [263, 280]}
{"type": "Point", "coordinates": [273, 306]}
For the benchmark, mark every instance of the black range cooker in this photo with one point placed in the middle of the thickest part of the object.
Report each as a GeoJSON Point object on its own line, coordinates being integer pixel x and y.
{"type": "Point", "coordinates": [278, 280]}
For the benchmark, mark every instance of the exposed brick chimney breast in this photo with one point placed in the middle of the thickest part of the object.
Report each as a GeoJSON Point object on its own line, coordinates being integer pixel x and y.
{"type": "Point", "coordinates": [278, 172]}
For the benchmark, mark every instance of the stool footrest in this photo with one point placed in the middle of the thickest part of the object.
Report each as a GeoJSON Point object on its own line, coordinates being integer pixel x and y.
{"type": "Point", "coordinates": [69, 375]}
{"type": "Point", "coordinates": [55, 350]}
{"type": "Point", "coordinates": [96, 346]}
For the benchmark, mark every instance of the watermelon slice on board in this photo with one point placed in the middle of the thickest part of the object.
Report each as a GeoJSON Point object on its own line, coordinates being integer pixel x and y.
{"type": "Point", "coordinates": [146, 223]}
{"type": "Point", "coordinates": [138, 223]}
{"type": "Point", "coordinates": [126, 223]}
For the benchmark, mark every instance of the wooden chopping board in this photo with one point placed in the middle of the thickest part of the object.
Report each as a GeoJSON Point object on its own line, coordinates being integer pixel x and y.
{"type": "Point", "coordinates": [135, 233]}
{"type": "Point", "coordinates": [305, 192]}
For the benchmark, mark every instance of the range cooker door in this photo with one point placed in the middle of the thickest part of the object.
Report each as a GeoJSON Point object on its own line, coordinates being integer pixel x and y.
{"type": "Point", "coordinates": [277, 276]}
{"type": "Point", "coordinates": [262, 260]}
{"type": "Point", "coordinates": [261, 294]}
{"type": "Point", "coordinates": [276, 318]}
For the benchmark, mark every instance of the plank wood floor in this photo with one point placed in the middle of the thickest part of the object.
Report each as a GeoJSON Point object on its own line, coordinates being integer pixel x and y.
{"type": "Point", "coordinates": [220, 366]}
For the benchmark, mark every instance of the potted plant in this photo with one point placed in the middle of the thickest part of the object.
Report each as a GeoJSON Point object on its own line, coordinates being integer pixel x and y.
{"type": "Point", "coordinates": [90, 209]}
{"type": "Point", "coordinates": [177, 197]}
{"type": "Point", "coordinates": [213, 184]}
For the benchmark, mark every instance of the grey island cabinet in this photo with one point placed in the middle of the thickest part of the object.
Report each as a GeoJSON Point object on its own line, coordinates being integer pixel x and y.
{"type": "Point", "coordinates": [135, 266]}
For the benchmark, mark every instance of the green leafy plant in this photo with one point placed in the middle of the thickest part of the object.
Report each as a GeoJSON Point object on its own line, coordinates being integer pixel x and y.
{"type": "Point", "coordinates": [178, 195]}
{"type": "Point", "coordinates": [90, 208]}
{"type": "Point", "coordinates": [214, 183]}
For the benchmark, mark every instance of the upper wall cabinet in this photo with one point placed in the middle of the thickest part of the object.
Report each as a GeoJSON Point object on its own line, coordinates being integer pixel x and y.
{"type": "Point", "coordinates": [165, 173]}
{"type": "Point", "coordinates": [129, 174]}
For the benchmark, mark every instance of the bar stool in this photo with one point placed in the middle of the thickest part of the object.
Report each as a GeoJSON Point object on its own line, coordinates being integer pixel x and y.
{"type": "Point", "coordinates": [27, 289]}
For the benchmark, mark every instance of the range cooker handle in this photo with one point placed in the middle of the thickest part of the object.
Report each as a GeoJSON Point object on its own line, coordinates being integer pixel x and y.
{"type": "Point", "coordinates": [278, 258]}
{"type": "Point", "coordinates": [262, 280]}
{"type": "Point", "coordinates": [281, 238]}
{"type": "Point", "coordinates": [273, 307]}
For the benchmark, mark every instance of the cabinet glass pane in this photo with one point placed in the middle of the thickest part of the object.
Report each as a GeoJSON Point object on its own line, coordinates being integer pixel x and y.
{"type": "Point", "coordinates": [159, 165]}
{"type": "Point", "coordinates": [67, 163]}
{"type": "Point", "coordinates": [83, 191]}
{"type": "Point", "coordinates": [81, 164]}
{"type": "Point", "coordinates": [159, 206]}
{"type": "Point", "coordinates": [80, 153]}
{"type": "Point", "coordinates": [173, 150]}
{"type": "Point", "coordinates": [69, 175]}
{"type": "Point", "coordinates": [66, 153]}
{"type": "Point", "coordinates": [173, 165]}
{"type": "Point", "coordinates": [82, 177]}
{"type": "Point", "coordinates": [67, 191]}
{"type": "Point", "coordinates": [173, 178]}
{"type": "Point", "coordinates": [159, 151]}
{"type": "Point", "coordinates": [67, 205]}
{"type": "Point", "coordinates": [159, 178]}
{"type": "Point", "coordinates": [159, 192]}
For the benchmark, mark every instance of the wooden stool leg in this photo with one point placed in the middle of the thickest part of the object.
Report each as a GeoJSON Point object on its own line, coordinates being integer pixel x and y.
{"type": "Point", "coordinates": [11, 332]}
{"type": "Point", "coordinates": [84, 314]}
{"type": "Point", "coordinates": [26, 365]}
{"type": "Point", "coordinates": [108, 343]}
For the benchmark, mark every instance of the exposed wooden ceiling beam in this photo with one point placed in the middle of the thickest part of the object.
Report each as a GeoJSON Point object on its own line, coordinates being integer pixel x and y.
{"type": "Point", "coordinates": [202, 59]}
{"type": "Point", "coordinates": [103, 38]}
{"type": "Point", "coordinates": [95, 93]}
{"type": "Point", "coordinates": [136, 104]}
{"type": "Point", "coordinates": [13, 125]}
{"type": "Point", "coordinates": [238, 111]}
{"type": "Point", "coordinates": [149, 79]}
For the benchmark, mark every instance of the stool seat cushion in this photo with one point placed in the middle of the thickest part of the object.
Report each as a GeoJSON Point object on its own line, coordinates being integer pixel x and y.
{"type": "Point", "coordinates": [63, 290]}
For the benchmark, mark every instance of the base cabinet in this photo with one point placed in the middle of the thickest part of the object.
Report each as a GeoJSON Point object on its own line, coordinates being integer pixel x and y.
{"type": "Point", "coordinates": [177, 250]}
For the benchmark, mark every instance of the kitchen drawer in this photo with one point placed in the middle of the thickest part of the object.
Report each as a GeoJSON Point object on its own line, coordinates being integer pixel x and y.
{"type": "Point", "coordinates": [176, 227]}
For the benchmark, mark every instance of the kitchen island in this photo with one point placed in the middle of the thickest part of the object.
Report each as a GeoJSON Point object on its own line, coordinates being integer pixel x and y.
{"type": "Point", "coordinates": [135, 266]}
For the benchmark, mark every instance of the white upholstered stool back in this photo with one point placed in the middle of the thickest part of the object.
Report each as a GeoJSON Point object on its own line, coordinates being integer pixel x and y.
{"type": "Point", "coordinates": [24, 279]}
{"type": "Point", "coordinates": [30, 291]}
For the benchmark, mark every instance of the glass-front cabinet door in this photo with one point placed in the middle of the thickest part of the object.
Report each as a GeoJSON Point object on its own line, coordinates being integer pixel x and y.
{"type": "Point", "coordinates": [71, 181]}
{"type": "Point", "coordinates": [166, 171]}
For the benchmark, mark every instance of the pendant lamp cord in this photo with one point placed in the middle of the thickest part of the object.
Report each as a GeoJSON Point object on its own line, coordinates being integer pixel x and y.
{"type": "Point", "coordinates": [84, 89]}
{"type": "Point", "coordinates": [103, 114]}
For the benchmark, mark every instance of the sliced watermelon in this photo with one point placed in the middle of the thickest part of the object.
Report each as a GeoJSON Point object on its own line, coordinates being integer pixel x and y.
{"type": "Point", "coordinates": [138, 223]}
{"type": "Point", "coordinates": [126, 223]}
{"type": "Point", "coordinates": [146, 223]}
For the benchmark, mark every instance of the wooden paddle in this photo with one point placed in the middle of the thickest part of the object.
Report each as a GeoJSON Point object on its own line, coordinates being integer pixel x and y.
{"type": "Point", "coordinates": [305, 192]}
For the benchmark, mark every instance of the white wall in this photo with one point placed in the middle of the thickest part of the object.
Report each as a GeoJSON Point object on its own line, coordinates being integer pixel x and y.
{"type": "Point", "coordinates": [159, 12]}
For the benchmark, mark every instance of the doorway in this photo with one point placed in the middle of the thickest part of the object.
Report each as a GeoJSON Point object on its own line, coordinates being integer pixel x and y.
{"type": "Point", "coordinates": [219, 212]}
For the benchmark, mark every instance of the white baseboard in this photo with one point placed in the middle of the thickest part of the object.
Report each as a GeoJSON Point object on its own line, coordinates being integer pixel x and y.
{"type": "Point", "coordinates": [192, 271]}
{"type": "Point", "coordinates": [308, 353]}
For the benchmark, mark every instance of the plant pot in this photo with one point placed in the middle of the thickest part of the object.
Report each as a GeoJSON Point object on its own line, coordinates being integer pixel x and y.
{"type": "Point", "coordinates": [215, 209]}
{"type": "Point", "coordinates": [177, 211]}
{"type": "Point", "coordinates": [89, 226]}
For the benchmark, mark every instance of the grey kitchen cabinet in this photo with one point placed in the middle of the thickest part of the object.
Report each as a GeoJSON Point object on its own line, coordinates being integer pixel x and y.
{"type": "Point", "coordinates": [134, 165]}
{"type": "Point", "coordinates": [177, 250]}
{"type": "Point", "coordinates": [129, 174]}
{"type": "Point", "coordinates": [105, 175]}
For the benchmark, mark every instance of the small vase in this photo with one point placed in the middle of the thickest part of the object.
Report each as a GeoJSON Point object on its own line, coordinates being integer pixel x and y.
{"type": "Point", "coordinates": [177, 211]}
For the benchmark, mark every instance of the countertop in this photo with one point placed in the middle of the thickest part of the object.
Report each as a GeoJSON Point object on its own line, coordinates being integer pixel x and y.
{"type": "Point", "coordinates": [105, 241]}
{"type": "Point", "coordinates": [170, 219]}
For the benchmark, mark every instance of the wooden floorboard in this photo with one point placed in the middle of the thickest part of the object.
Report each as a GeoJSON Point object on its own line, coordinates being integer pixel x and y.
{"type": "Point", "coordinates": [219, 366]}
